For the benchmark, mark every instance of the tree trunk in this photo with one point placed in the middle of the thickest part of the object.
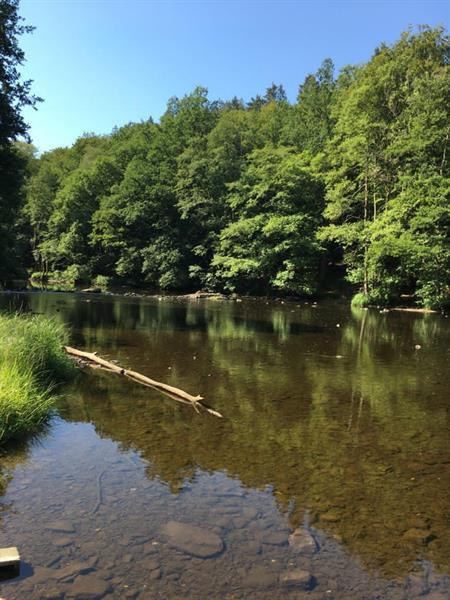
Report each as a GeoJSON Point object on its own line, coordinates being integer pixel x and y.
{"type": "Point", "coordinates": [366, 206]}
{"type": "Point", "coordinates": [173, 392]}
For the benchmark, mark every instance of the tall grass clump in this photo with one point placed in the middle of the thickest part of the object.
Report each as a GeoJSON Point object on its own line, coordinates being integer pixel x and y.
{"type": "Point", "coordinates": [360, 300]}
{"type": "Point", "coordinates": [32, 363]}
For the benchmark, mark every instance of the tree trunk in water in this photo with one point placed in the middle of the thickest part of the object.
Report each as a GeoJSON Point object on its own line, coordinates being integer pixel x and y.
{"type": "Point", "coordinates": [173, 392]}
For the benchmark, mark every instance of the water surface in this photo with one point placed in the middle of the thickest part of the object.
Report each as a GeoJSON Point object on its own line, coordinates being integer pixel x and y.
{"type": "Point", "coordinates": [335, 421]}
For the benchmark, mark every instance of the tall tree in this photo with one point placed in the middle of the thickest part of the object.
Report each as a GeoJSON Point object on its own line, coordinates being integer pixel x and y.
{"type": "Point", "coordinates": [311, 123]}
{"type": "Point", "coordinates": [270, 242]}
{"type": "Point", "coordinates": [14, 95]}
{"type": "Point", "coordinates": [388, 189]}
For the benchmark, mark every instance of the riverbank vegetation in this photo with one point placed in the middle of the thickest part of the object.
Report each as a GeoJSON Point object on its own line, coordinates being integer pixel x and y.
{"type": "Point", "coordinates": [32, 362]}
{"type": "Point", "coordinates": [349, 181]}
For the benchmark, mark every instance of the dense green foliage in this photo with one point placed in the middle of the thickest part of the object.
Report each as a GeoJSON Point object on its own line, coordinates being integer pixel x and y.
{"type": "Point", "coordinates": [388, 180]}
{"type": "Point", "coordinates": [261, 197]}
{"type": "Point", "coordinates": [32, 359]}
{"type": "Point", "coordinates": [14, 95]}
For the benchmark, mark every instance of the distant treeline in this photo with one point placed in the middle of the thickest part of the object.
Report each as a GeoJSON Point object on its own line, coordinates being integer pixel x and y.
{"type": "Point", "coordinates": [262, 196]}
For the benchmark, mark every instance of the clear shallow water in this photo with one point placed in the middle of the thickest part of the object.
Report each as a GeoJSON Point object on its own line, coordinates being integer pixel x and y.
{"type": "Point", "coordinates": [341, 430]}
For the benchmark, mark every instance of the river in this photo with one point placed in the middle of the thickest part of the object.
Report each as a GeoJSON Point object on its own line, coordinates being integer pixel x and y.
{"type": "Point", "coordinates": [336, 426]}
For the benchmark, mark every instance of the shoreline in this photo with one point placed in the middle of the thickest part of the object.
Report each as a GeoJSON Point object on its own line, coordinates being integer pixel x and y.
{"type": "Point", "coordinates": [217, 296]}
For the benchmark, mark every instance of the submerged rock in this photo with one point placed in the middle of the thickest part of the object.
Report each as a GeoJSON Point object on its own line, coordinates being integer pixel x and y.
{"type": "Point", "coordinates": [418, 522]}
{"type": "Point", "coordinates": [232, 509]}
{"type": "Point", "coordinates": [259, 577]}
{"type": "Point", "coordinates": [298, 578]}
{"type": "Point", "coordinates": [51, 594]}
{"type": "Point", "coordinates": [43, 575]}
{"type": "Point", "coordinates": [302, 541]}
{"type": "Point", "coordinates": [155, 574]}
{"type": "Point", "coordinates": [63, 541]}
{"type": "Point", "coordinates": [253, 548]}
{"type": "Point", "coordinates": [193, 540]}
{"type": "Point", "coordinates": [249, 512]}
{"type": "Point", "coordinates": [73, 570]}
{"type": "Point", "coordinates": [61, 526]}
{"type": "Point", "coordinates": [240, 522]}
{"type": "Point", "coordinates": [153, 564]}
{"type": "Point", "coordinates": [87, 587]}
{"type": "Point", "coordinates": [275, 538]}
{"type": "Point", "coordinates": [150, 548]}
{"type": "Point", "coordinates": [418, 536]}
{"type": "Point", "coordinates": [330, 517]}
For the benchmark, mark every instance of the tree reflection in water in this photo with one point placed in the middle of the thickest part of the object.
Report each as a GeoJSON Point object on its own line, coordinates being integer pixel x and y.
{"type": "Point", "coordinates": [349, 424]}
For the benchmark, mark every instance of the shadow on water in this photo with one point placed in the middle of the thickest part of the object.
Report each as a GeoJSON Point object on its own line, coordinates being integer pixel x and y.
{"type": "Point", "coordinates": [334, 409]}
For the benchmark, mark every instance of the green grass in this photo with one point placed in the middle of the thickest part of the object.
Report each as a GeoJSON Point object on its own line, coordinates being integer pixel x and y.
{"type": "Point", "coordinates": [32, 363]}
{"type": "Point", "coordinates": [360, 300]}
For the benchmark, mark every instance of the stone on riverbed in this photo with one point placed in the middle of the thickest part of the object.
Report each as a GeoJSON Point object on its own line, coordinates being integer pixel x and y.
{"type": "Point", "coordinates": [275, 538]}
{"type": "Point", "coordinates": [417, 536]}
{"type": "Point", "coordinates": [87, 587]}
{"type": "Point", "coordinates": [302, 541]}
{"type": "Point", "coordinates": [61, 526]}
{"type": "Point", "coordinates": [72, 570]}
{"type": "Point", "coordinates": [63, 541]}
{"type": "Point", "coordinates": [43, 575]}
{"type": "Point", "coordinates": [153, 564]}
{"type": "Point", "coordinates": [330, 517]}
{"type": "Point", "coordinates": [297, 577]}
{"type": "Point", "coordinates": [259, 577]}
{"type": "Point", "coordinates": [51, 594]}
{"type": "Point", "coordinates": [193, 540]}
{"type": "Point", "coordinates": [155, 574]}
{"type": "Point", "coordinates": [150, 548]}
{"type": "Point", "coordinates": [249, 512]}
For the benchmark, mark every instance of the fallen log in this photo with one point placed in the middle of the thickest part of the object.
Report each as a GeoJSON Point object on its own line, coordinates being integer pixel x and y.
{"type": "Point", "coordinates": [93, 360]}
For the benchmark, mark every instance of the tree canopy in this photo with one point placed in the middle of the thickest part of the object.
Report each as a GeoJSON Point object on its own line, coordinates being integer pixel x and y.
{"type": "Point", "coordinates": [262, 196]}
{"type": "Point", "coordinates": [14, 95]}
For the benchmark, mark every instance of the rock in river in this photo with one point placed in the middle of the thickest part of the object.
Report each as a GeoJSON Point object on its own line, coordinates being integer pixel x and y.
{"type": "Point", "coordinates": [302, 541]}
{"type": "Point", "coordinates": [417, 536]}
{"type": "Point", "coordinates": [275, 538]}
{"type": "Point", "coordinates": [61, 526]}
{"type": "Point", "coordinates": [259, 577]}
{"type": "Point", "coordinates": [72, 570]}
{"type": "Point", "coordinates": [298, 578]}
{"type": "Point", "coordinates": [63, 541]}
{"type": "Point", "coordinates": [330, 517]}
{"type": "Point", "coordinates": [193, 540]}
{"type": "Point", "coordinates": [88, 587]}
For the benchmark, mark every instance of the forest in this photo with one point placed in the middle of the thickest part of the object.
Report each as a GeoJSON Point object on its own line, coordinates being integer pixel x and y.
{"type": "Point", "coordinates": [348, 183]}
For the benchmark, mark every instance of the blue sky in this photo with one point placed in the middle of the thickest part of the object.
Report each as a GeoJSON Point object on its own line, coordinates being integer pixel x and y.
{"type": "Point", "coordinates": [101, 63]}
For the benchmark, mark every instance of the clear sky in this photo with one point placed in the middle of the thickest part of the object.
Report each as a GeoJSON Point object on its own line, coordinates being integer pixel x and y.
{"type": "Point", "coordinates": [101, 63]}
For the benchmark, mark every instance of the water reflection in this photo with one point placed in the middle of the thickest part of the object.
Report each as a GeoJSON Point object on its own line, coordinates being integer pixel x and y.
{"type": "Point", "coordinates": [334, 408]}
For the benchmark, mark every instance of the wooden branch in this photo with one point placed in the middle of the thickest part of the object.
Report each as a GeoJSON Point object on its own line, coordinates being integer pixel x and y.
{"type": "Point", "coordinates": [93, 360]}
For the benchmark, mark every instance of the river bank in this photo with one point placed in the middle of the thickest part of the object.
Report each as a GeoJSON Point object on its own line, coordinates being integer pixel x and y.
{"type": "Point", "coordinates": [124, 291]}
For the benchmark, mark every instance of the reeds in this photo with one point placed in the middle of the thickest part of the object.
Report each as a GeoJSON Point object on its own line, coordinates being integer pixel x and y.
{"type": "Point", "coordinates": [32, 363]}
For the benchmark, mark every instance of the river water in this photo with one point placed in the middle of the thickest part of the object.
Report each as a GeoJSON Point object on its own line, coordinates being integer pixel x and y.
{"type": "Point", "coordinates": [336, 425]}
